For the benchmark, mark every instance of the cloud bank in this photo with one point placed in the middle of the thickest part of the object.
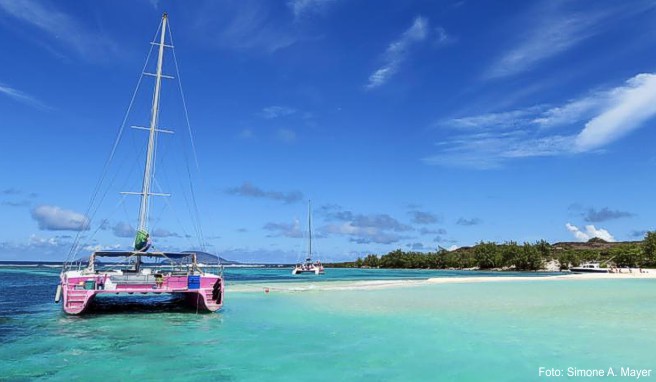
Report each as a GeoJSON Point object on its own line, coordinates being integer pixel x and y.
{"type": "Point", "coordinates": [53, 218]}
{"type": "Point", "coordinates": [292, 230]}
{"type": "Point", "coordinates": [423, 217]}
{"type": "Point", "coordinates": [364, 229]}
{"type": "Point", "coordinates": [602, 117]}
{"type": "Point", "coordinates": [247, 189]}
{"type": "Point", "coordinates": [468, 222]}
{"type": "Point", "coordinates": [596, 216]}
{"type": "Point", "coordinates": [590, 232]}
{"type": "Point", "coordinates": [123, 229]}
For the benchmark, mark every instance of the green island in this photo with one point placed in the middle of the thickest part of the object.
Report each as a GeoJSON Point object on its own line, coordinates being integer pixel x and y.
{"type": "Point", "coordinates": [513, 256]}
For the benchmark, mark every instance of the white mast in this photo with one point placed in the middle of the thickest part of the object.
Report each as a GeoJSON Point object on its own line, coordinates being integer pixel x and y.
{"type": "Point", "coordinates": [310, 229]}
{"type": "Point", "coordinates": [148, 171]}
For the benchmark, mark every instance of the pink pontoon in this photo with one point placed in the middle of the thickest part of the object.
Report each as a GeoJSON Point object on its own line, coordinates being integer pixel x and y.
{"type": "Point", "coordinates": [114, 273]}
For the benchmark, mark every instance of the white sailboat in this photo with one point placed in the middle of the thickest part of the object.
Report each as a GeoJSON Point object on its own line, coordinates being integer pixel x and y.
{"type": "Point", "coordinates": [141, 271]}
{"type": "Point", "coordinates": [308, 266]}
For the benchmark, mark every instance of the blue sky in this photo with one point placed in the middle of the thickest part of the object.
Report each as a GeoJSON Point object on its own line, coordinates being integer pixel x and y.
{"type": "Point", "coordinates": [410, 124]}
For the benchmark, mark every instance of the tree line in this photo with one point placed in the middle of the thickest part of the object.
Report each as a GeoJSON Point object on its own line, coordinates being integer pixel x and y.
{"type": "Point", "coordinates": [511, 255]}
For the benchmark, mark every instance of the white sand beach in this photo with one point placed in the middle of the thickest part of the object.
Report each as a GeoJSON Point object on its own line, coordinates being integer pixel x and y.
{"type": "Point", "coordinates": [632, 274]}
{"type": "Point", "coordinates": [293, 287]}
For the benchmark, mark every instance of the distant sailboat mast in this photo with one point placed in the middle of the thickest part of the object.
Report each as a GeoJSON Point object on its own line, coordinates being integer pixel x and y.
{"type": "Point", "coordinates": [308, 266]}
{"type": "Point", "coordinates": [309, 230]}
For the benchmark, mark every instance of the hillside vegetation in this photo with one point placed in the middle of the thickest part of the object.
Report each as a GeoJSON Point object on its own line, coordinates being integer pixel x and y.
{"type": "Point", "coordinates": [514, 256]}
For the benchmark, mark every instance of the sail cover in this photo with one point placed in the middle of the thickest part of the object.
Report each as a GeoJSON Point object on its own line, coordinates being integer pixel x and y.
{"type": "Point", "coordinates": [142, 241]}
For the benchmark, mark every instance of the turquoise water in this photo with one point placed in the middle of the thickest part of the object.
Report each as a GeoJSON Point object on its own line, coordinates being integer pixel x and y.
{"type": "Point", "coordinates": [475, 331]}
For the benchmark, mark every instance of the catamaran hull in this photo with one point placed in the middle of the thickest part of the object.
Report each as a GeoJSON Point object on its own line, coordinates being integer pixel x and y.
{"type": "Point", "coordinates": [80, 292]}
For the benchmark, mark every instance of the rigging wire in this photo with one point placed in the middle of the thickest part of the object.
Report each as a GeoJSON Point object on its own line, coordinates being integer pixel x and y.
{"type": "Point", "coordinates": [116, 208]}
{"type": "Point", "coordinates": [201, 237]}
{"type": "Point", "coordinates": [98, 197]}
{"type": "Point", "coordinates": [176, 216]}
{"type": "Point", "coordinates": [184, 102]}
{"type": "Point", "coordinates": [76, 242]}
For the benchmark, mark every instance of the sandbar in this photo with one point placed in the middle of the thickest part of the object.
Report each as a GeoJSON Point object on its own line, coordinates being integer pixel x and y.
{"type": "Point", "coordinates": [293, 287]}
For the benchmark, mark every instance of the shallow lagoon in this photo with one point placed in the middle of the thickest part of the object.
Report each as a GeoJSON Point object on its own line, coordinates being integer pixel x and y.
{"type": "Point", "coordinates": [412, 331]}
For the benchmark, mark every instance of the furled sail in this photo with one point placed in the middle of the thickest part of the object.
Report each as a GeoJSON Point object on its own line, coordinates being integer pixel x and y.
{"type": "Point", "coordinates": [142, 242]}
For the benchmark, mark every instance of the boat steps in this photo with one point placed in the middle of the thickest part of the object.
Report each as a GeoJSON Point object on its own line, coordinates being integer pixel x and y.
{"type": "Point", "coordinates": [74, 295]}
{"type": "Point", "coordinates": [76, 298]}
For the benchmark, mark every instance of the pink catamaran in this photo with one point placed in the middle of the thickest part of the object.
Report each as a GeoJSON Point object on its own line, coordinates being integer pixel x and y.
{"type": "Point", "coordinates": [141, 272]}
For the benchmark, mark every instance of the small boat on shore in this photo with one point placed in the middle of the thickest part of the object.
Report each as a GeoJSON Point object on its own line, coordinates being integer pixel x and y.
{"type": "Point", "coordinates": [308, 266]}
{"type": "Point", "coordinates": [589, 267]}
{"type": "Point", "coordinates": [142, 271]}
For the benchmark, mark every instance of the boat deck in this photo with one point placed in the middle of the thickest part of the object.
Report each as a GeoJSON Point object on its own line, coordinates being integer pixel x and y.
{"type": "Point", "coordinates": [205, 291]}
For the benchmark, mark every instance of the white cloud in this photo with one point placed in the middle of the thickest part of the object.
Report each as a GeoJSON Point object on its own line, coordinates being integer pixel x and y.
{"type": "Point", "coordinates": [630, 107]}
{"type": "Point", "coordinates": [363, 229]}
{"type": "Point", "coordinates": [247, 134]}
{"type": "Point", "coordinates": [285, 229]}
{"type": "Point", "coordinates": [123, 229]}
{"type": "Point", "coordinates": [423, 217]}
{"type": "Point", "coordinates": [101, 247]}
{"type": "Point", "coordinates": [60, 27]}
{"type": "Point", "coordinates": [397, 52]}
{"type": "Point", "coordinates": [590, 232]}
{"type": "Point", "coordinates": [548, 32]}
{"type": "Point", "coordinates": [489, 150]}
{"type": "Point", "coordinates": [573, 111]}
{"type": "Point", "coordinates": [260, 255]}
{"type": "Point", "coordinates": [54, 218]}
{"type": "Point", "coordinates": [38, 241]}
{"type": "Point", "coordinates": [244, 25]}
{"type": "Point", "coordinates": [506, 119]}
{"type": "Point", "coordinates": [303, 7]}
{"type": "Point", "coordinates": [247, 189]}
{"type": "Point", "coordinates": [272, 112]}
{"type": "Point", "coordinates": [442, 38]}
{"type": "Point", "coordinates": [363, 234]}
{"type": "Point", "coordinates": [161, 232]}
{"type": "Point", "coordinates": [489, 140]}
{"type": "Point", "coordinates": [22, 97]}
{"type": "Point", "coordinates": [36, 248]}
{"type": "Point", "coordinates": [286, 135]}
